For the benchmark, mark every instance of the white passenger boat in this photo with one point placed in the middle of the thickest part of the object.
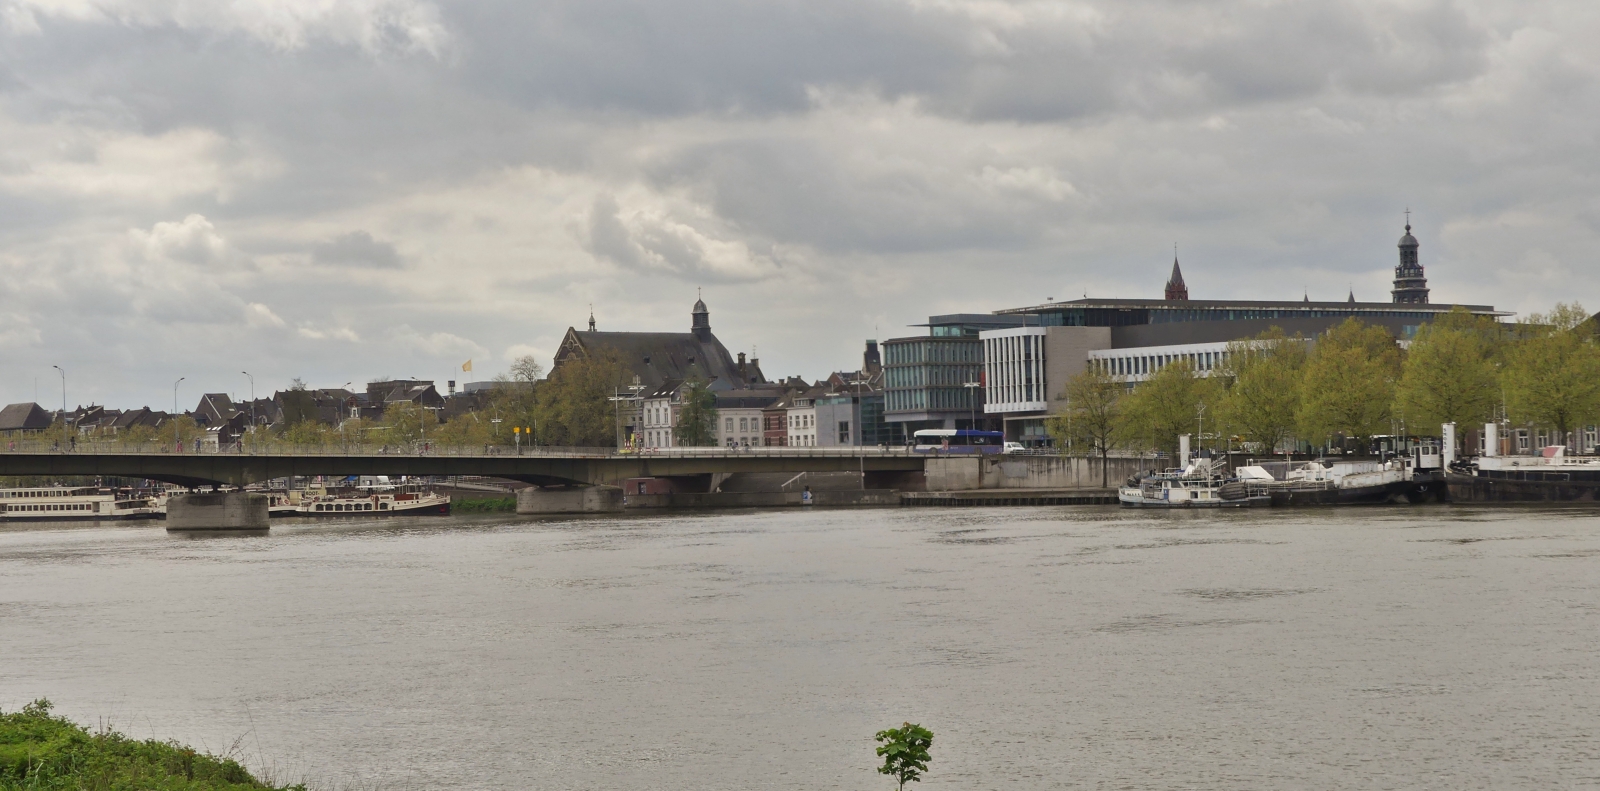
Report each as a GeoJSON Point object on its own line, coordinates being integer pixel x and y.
{"type": "Point", "coordinates": [79, 503]}
{"type": "Point", "coordinates": [1202, 483]}
{"type": "Point", "coordinates": [401, 500]}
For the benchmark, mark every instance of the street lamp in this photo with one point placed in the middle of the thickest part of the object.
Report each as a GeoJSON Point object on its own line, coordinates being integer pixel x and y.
{"type": "Point", "coordinates": [63, 405]}
{"type": "Point", "coordinates": [252, 400]}
{"type": "Point", "coordinates": [972, 403]}
{"type": "Point", "coordinates": [175, 438]}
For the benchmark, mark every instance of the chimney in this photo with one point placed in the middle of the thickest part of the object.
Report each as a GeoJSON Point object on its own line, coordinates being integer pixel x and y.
{"type": "Point", "coordinates": [741, 366]}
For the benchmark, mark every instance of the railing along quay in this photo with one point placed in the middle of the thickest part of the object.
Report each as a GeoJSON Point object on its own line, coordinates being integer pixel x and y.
{"type": "Point", "coordinates": [35, 447]}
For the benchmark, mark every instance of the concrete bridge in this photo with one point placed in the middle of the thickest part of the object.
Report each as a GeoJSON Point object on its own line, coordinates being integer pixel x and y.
{"type": "Point", "coordinates": [691, 468]}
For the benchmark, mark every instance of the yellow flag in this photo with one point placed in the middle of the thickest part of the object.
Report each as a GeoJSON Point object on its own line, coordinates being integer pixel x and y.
{"type": "Point", "coordinates": [466, 366]}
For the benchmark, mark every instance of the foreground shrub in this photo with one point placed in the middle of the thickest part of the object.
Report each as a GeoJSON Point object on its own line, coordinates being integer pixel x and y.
{"type": "Point", "coordinates": [38, 751]}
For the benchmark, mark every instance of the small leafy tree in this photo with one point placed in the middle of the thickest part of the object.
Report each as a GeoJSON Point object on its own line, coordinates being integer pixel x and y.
{"type": "Point", "coordinates": [1166, 406]}
{"type": "Point", "coordinates": [1263, 378]}
{"type": "Point", "coordinates": [697, 423]}
{"type": "Point", "coordinates": [905, 753]}
{"type": "Point", "coordinates": [1552, 375]}
{"type": "Point", "coordinates": [1093, 416]}
{"type": "Point", "coordinates": [1450, 374]}
{"type": "Point", "coordinates": [1349, 382]}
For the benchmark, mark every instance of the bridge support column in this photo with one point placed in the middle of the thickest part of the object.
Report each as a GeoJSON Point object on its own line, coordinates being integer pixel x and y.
{"type": "Point", "coordinates": [217, 511]}
{"type": "Point", "coordinates": [581, 500]}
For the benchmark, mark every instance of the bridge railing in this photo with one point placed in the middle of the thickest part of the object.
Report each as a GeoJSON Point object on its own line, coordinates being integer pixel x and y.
{"type": "Point", "coordinates": [274, 448]}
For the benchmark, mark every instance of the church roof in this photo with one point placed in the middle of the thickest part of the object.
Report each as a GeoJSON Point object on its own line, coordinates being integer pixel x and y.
{"type": "Point", "coordinates": [24, 417]}
{"type": "Point", "coordinates": [657, 357]}
{"type": "Point", "coordinates": [1408, 240]}
{"type": "Point", "coordinates": [1175, 286]}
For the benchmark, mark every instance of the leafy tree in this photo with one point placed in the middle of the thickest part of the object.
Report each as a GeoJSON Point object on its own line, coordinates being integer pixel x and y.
{"type": "Point", "coordinates": [526, 369]}
{"type": "Point", "coordinates": [1349, 382]}
{"type": "Point", "coordinates": [1166, 406]}
{"type": "Point", "coordinates": [1262, 380]}
{"type": "Point", "coordinates": [1094, 415]}
{"type": "Point", "coordinates": [474, 429]}
{"type": "Point", "coordinates": [308, 432]}
{"type": "Point", "coordinates": [905, 753]}
{"type": "Point", "coordinates": [403, 423]}
{"type": "Point", "coordinates": [572, 405]}
{"type": "Point", "coordinates": [697, 422]}
{"type": "Point", "coordinates": [1552, 373]}
{"type": "Point", "coordinates": [1450, 373]}
{"type": "Point", "coordinates": [178, 429]}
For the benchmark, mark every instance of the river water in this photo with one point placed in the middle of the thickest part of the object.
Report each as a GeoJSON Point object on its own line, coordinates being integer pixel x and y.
{"type": "Point", "coordinates": [1428, 647]}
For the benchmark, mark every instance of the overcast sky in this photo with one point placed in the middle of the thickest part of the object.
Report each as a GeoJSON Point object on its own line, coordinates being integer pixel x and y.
{"type": "Point", "coordinates": [342, 191]}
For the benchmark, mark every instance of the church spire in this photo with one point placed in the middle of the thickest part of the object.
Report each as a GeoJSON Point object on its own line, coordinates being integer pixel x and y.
{"type": "Point", "coordinates": [1410, 283]}
{"type": "Point", "coordinates": [1175, 286]}
{"type": "Point", "coordinates": [700, 319]}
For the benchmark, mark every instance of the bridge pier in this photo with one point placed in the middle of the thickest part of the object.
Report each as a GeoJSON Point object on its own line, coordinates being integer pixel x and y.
{"type": "Point", "coordinates": [217, 511]}
{"type": "Point", "coordinates": [576, 500]}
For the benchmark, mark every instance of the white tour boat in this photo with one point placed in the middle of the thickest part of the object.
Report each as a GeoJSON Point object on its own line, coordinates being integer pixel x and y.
{"type": "Point", "coordinates": [78, 503]}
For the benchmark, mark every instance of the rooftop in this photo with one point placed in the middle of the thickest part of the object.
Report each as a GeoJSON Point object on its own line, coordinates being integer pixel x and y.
{"type": "Point", "coordinates": [1245, 304]}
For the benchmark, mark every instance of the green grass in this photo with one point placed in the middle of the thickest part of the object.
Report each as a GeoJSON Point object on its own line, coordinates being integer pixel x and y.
{"type": "Point", "coordinates": [38, 751]}
{"type": "Point", "coordinates": [485, 505]}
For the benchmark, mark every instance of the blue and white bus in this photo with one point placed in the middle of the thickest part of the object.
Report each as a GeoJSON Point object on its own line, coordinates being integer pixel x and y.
{"type": "Point", "coordinates": [958, 440]}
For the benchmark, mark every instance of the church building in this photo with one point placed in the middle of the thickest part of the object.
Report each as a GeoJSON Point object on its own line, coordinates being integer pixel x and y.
{"type": "Point", "coordinates": [659, 357]}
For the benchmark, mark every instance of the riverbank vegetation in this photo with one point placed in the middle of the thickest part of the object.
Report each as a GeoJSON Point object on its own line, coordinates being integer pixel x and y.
{"type": "Point", "coordinates": [1354, 382]}
{"type": "Point", "coordinates": [40, 752]}
{"type": "Point", "coordinates": [485, 505]}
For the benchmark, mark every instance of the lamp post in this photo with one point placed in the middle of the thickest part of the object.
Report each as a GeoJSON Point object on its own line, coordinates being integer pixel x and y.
{"type": "Point", "coordinates": [63, 405]}
{"type": "Point", "coordinates": [252, 401]}
{"type": "Point", "coordinates": [972, 403]}
{"type": "Point", "coordinates": [176, 439]}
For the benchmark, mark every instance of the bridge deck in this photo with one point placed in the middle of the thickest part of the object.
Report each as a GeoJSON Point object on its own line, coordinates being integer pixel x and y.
{"type": "Point", "coordinates": [542, 466]}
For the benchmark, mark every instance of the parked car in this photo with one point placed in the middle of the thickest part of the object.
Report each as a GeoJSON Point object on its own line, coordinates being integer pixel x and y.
{"type": "Point", "coordinates": [1014, 447]}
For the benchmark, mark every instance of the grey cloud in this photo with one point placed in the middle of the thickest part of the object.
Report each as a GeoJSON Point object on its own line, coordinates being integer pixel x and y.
{"type": "Point", "coordinates": [356, 248]}
{"type": "Point", "coordinates": [811, 163]}
{"type": "Point", "coordinates": [666, 246]}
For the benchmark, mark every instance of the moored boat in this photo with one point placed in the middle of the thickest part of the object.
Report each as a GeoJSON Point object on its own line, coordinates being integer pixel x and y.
{"type": "Point", "coordinates": [1552, 476]}
{"type": "Point", "coordinates": [1342, 482]}
{"type": "Point", "coordinates": [79, 503]}
{"type": "Point", "coordinates": [1202, 483]}
{"type": "Point", "coordinates": [380, 500]}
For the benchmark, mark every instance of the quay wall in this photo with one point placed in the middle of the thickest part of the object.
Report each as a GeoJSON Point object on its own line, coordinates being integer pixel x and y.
{"type": "Point", "coordinates": [574, 500]}
{"type": "Point", "coordinates": [955, 474]}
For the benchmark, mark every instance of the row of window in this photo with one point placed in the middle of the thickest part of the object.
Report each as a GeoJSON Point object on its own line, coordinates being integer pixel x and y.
{"type": "Point", "coordinates": [927, 350]}
{"type": "Point", "coordinates": [1204, 362]}
{"type": "Point", "coordinates": [32, 493]}
{"type": "Point", "coordinates": [349, 507]}
{"type": "Point", "coordinates": [1016, 368]}
{"type": "Point", "coordinates": [932, 398]}
{"type": "Point", "coordinates": [40, 507]}
{"type": "Point", "coordinates": [930, 375]}
{"type": "Point", "coordinates": [1123, 317]}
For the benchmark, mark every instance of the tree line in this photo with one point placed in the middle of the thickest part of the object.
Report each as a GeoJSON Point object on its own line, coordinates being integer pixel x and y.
{"type": "Point", "coordinates": [573, 407]}
{"type": "Point", "coordinates": [1353, 382]}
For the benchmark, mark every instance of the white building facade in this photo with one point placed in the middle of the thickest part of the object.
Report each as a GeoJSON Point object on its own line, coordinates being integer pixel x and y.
{"type": "Point", "coordinates": [803, 422]}
{"type": "Point", "coordinates": [658, 415]}
{"type": "Point", "coordinates": [1138, 365]}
